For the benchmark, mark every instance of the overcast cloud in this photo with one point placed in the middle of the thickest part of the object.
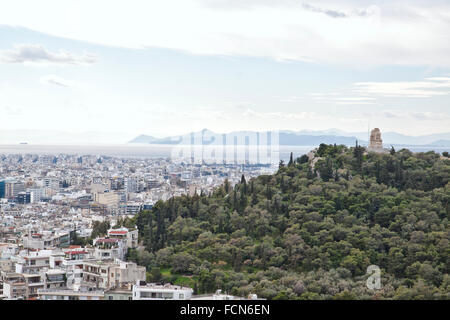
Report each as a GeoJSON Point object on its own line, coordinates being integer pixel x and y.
{"type": "Point", "coordinates": [39, 55]}
{"type": "Point", "coordinates": [375, 33]}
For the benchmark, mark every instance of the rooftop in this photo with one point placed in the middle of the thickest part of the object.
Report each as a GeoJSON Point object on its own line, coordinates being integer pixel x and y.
{"type": "Point", "coordinates": [161, 286]}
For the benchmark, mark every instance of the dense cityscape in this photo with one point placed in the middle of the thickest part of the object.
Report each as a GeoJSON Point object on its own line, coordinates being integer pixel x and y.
{"type": "Point", "coordinates": [50, 202]}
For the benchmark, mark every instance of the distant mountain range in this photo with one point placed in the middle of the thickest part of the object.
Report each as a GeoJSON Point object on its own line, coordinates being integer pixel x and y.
{"type": "Point", "coordinates": [286, 138]}
{"type": "Point", "coordinates": [307, 138]}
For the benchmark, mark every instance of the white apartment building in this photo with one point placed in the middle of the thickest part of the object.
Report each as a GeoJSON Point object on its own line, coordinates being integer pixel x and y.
{"type": "Point", "coordinates": [14, 286]}
{"type": "Point", "coordinates": [130, 184]}
{"type": "Point", "coordinates": [51, 183]}
{"type": "Point", "coordinates": [123, 273]}
{"type": "Point", "coordinates": [36, 194]}
{"type": "Point", "coordinates": [73, 265]}
{"type": "Point", "coordinates": [151, 291]}
{"type": "Point", "coordinates": [70, 294]}
{"type": "Point", "coordinates": [33, 262]}
{"type": "Point", "coordinates": [108, 275]}
{"type": "Point", "coordinates": [46, 240]}
{"type": "Point", "coordinates": [33, 282]}
{"type": "Point", "coordinates": [109, 248]}
{"type": "Point", "coordinates": [132, 208]}
{"type": "Point", "coordinates": [54, 279]}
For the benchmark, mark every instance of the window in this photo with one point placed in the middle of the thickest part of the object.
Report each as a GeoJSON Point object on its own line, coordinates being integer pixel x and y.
{"type": "Point", "coordinates": [181, 296]}
{"type": "Point", "coordinates": [167, 295]}
{"type": "Point", "coordinates": [151, 295]}
{"type": "Point", "coordinates": [111, 298]}
{"type": "Point", "coordinates": [157, 295]}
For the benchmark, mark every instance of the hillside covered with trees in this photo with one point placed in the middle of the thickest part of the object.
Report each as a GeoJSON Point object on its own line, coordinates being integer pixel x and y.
{"type": "Point", "coordinates": [311, 230]}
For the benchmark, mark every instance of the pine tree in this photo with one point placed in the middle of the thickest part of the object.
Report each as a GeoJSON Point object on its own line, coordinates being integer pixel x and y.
{"type": "Point", "coordinates": [242, 202]}
{"type": "Point", "coordinates": [392, 150]}
{"type": "Point", "coordinates": [226, 186]}
{"type": "Point", "coordinates": [254, 199]}
{"type": "Point", "coordinates": [358, 154]}
{"type": "Point", "coordinates": [244, 185]}
{"type": "Point", "coordinates": [291, 160]}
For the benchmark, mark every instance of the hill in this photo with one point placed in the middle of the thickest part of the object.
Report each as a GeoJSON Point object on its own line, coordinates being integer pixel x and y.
{"type": "Point", "coordinates": [144, 139]}
{"type": "Point", "coordinates": [311, 230]}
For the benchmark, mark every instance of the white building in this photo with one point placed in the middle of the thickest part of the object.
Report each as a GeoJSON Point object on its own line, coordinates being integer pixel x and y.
{"type": "Point", "coordinates": [131, 185]}
{"type": "Point", "coordinates": [108, 275]}
{"type": "Point", "coordinates": [70, 294]}
{"type": "Point", "coordinates": [36, 194]}
{"type": "Point", "coordinates": [109, 248]}
{"type": "Point", "coordinates": [151, 291]}
{"type": "Point", "coordinates": [130, 236]}
{"type": "Point", "coordinates": [46, 240]}
{"type": "Point", "coordinates": [132, 208]}
{"type": "Point", "coordinates": [33, 262]}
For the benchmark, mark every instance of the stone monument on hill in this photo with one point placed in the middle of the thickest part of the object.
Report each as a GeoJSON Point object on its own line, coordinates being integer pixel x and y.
{"type": "Point", "coordinates": [376, 143]}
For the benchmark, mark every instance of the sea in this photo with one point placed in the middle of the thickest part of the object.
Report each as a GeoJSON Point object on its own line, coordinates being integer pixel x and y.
{"type": "Point", "coordinates": [154, 150]}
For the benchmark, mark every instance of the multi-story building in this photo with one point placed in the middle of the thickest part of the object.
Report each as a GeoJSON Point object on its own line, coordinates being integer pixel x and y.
{"type": "Point", "coordinates": [119, 294]}
{"type": "Point", "coordinates": [2, 189]}
{"type": "Point", "coordinates": [132, 208]}
{"type": "Point", "coordinates": [152, 291]}
{"type": "Point", "coordinates": [39, 241]}
{"type": "Point", "coordinates": [33, 282]}
{"type": "Point", "coordinates": [131, 184]}
{"type": "Point", "coordinates": [23, 197]}
{"type": "Point", "coordinates": [96, 274]}
{"type": "Point", "coordinates": [14, 286]}
{"type": "Point", "coordinates": [125, 273]}
{"type": "Point", "coordinates": [54, 279]}
{"type": "Point", "coordinates": [109, 199]}
{"type": "Point", "coordinates": [130, 236]}
{"type": "Point", "coordinates": [109, 248]}
{"type": "Point", "coordinates": [70, 294]}
{"type": "Point", "coordinates": [13, 188]}
{"type": "Point", "coordinates": [34, 262]}
{"type": "Point", "coordinates": [6, 265]}
{"type": "Point", "coordinates": [112, 274]}
{"type": "Point", "coordinates": [36, 194]}
{"type": "Point", "coordinates": [153, 183]}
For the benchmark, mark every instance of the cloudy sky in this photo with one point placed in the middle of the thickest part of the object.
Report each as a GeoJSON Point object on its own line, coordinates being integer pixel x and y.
{"type": "Point", "coordinates": [116, 69]}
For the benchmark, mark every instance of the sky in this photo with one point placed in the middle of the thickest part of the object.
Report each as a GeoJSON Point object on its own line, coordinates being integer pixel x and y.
{"type": "Point", "coordinates": [107, 71]}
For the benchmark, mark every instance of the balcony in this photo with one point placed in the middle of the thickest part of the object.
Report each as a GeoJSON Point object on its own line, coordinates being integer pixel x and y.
{"type": "Point", "coordinates": [35, 284]}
